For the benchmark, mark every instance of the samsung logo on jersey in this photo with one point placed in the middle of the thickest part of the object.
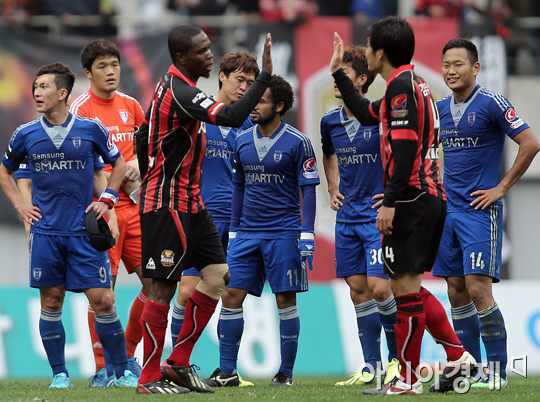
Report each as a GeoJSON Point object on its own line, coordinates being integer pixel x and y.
{"type": "Point", "coordinates": [345, 150]}
{"type": "Point", "coordinates": [111, 128]}
{"type": "Point", "coordinates": [216, 142]}
{"type": "Point", "coordinates": [47, 166]}
{"type": "Point", "coordinates": [59, 155]}
{"type": "Point", "coordinates": [452, 131]}
{"type": "Point", "coordinates": [253, 167]}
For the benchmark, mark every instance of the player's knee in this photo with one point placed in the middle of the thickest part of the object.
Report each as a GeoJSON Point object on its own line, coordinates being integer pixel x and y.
{"type": "Point", "coordinates": [213, 280]}
{"type": "Point", "coordinates": [102, 304]}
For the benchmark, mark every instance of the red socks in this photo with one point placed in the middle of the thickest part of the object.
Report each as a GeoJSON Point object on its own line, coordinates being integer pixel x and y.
{"type": "Point", "coordinates": [134, 330]}
{"type": "Point", "coordinates": [154, 319]}
{"type": "Point", "coordinates": [199, 309]}
{"type": "Point", "coordinates": [96, 343]}
{"type": "Point", "coordinates": [410, 326]}
{"type": "Point", "coordinates": [439, 327]}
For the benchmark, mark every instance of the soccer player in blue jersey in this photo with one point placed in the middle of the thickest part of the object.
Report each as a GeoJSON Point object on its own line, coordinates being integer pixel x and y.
{"type": "Point", "coordinates": [273, 163]}
{"type": "Point", "coordinates": [60, 148]}
{"type": "Point", "coordinates": [474, 123]}
{"type": "Point", "coordinates": [353, 167]}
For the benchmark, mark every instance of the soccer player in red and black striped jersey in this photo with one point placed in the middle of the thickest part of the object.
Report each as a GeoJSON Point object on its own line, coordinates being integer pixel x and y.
{"type": "Point", "coordinates": [177, 230]}
{"type": "Point", "coordinates": [413, 209]}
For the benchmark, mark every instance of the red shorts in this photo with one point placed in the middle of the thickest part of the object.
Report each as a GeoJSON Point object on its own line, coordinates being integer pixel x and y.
{"type": "Point", "coordinates": [128, 246]}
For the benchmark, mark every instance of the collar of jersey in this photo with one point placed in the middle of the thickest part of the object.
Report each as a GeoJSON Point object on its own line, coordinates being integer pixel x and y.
{"type": "Point", "coordinates": [173, 71]}
{"type": "Point", "coordinates": [275, 132]}
{"type": "Point", "coordinates": [64, 124]}
{"type": "Point", "coordinates": [476, 88]}
{"type": "Point", "coordinates": [99, 99]}
{"type": "Point", "coordinates": [398, 71]}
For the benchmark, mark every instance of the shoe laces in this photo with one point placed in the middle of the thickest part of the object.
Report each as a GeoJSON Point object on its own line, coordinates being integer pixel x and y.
{"type": "Point", "coordinates": [194, 367]}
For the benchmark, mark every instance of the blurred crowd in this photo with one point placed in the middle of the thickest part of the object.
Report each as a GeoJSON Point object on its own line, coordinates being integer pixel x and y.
{"type": "Point", "coordinates": [292, 11]}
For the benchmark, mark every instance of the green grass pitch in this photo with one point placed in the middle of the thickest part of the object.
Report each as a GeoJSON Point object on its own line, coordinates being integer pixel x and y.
{"type": "Point", "coordinates": [305, 389]}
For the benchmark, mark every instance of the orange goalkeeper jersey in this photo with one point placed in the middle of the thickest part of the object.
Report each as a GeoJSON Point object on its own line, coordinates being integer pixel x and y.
{"type": "Point", "coordinates": [122, 115]}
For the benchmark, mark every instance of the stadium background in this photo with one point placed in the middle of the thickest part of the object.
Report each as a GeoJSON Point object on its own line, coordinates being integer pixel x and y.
{"type": "Point", "coordinates": [328, 343]}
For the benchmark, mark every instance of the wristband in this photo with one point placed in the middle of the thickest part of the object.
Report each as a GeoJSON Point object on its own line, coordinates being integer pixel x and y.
{"type": "Point", "coordinates": [109, 197]}
{"type": "Point", "coordinates": [307, 236]}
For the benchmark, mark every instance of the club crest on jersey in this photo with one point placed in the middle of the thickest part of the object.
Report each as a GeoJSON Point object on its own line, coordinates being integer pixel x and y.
{"type": "Point", "coordinates": [77, 142]}
{"type": "Point", "coordinates": [277, 156]}
{"type": "Point", "coordinates": [399, 106]}
{"type": "Point", "coordinates": [36, 273]}
{"type": "Point", "coordinates": [367, 135]}
{"type": "Point", "coordinates": [310, 169]}
{"type": "Point", "coordinates": [124, 115]}
{"type": "Point", "coordinates": [167, 258]}
{"type": "Point", "coordinates": [471, 118]}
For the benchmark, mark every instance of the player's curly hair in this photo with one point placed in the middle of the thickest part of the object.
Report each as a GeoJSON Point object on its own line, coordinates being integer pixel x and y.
{"type": "Point", "coordinates": [244, 62]}
{"type": "Point", "coordinates": [281, 92]}
{"type": "Point", "coordinates": [181, 39]}
{"type": "Point", "coordinates": [63, 76]}
{"type": "Point", "coordinates": [355, 56]}
{"type": "Point", "coordinates": [98, 48]}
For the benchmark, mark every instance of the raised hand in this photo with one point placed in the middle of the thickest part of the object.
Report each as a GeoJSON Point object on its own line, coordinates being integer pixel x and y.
{"type": "Point", "coordinates": [267, 64]}
{"type": "Point", "coordinates": [337, 57]}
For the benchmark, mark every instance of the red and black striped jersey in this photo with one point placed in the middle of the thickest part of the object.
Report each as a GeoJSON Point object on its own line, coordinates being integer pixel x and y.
{"type": "Point", "coordinates": [172, 141]}
{"type": "Point", "coordinates": [409, 131]}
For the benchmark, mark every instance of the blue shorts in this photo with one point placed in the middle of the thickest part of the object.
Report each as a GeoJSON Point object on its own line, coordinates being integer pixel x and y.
{"type": "Point", "coordinates": [358, 250]}
{"type": "Point", "coordinates": [471, 244]}
{"type": "Point", "coordinates": [67, 260]}
{"type": "Point", "coordinates": [223, 229]}
{"type": "Point", "coordinates": [251, 261]}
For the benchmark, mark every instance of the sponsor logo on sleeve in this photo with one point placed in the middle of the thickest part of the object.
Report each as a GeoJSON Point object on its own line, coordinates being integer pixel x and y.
{"type": "Point", "coordinates": [512, 118]}
{"type": "Point", "coordinates": [399, 106]}
{"type": "Point", "coordinates": [310, 169]}
{"type": "Point", "coordinates": [206, 103]}
{"type": "Point", "coordinates": [200, 96]}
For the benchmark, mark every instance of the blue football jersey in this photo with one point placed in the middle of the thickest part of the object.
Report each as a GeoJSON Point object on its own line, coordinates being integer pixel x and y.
{"type": "Point", "coordinates": [272, 169]}
{"type": "Point", "coordinates": [358, 154]}
{"type": "Point", "coordinates": [217, 167]}
{"type": "Point", "coordinates": [472, 134]}
{"type": "Point", "coordinates": [61, 161]}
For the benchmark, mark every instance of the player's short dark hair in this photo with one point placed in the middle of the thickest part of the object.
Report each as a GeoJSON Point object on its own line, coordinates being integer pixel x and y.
{"type": "Point", "coordinates": [281, 92]}
{"type": "Point", "coordinates": [465, 44]}
{"type": "Point", "coordinates": [355, 56]}
{"type": "Point", "coordinates": [98, 48]}
{"type": "Point", "coordinates": [395, 36]}
{"type": "Point", "coordinates": [181, 39]}
{"type": "Point", "coordinates": [63, 76]}
{"type": "Point", "coordinates": [239, 61]}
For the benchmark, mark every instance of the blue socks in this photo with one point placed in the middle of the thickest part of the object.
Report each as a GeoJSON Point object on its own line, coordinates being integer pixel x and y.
{"type": "Point", "coordinates": [177, 321]}
{"type": "Point", "coordinates": [467, 327]}
{"type": "Point", "coordinates": [369, 331]}
{"type": "Point", "coordinates": [53, 337]}
{"type": "Point", "coordinates": [289, 329]}
{"type": "Point", "coordinates": [230, 327]}
{"type": "Point", "coordinates": [387, 316]}
{"type": "Point", "coordinates": [493, 334]}
{"type": "Point", "coordinates": [111, 335]}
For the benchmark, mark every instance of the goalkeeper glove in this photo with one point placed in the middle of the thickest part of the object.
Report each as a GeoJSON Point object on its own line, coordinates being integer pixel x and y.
{"type": "Point", "coordinates": [307, 248]}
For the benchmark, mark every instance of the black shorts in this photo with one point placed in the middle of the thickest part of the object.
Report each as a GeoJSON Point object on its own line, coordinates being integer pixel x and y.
{"type": "Point", "coordinates": [417, 229]}
{"type": "Point", "coordinates": [173, 241]}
